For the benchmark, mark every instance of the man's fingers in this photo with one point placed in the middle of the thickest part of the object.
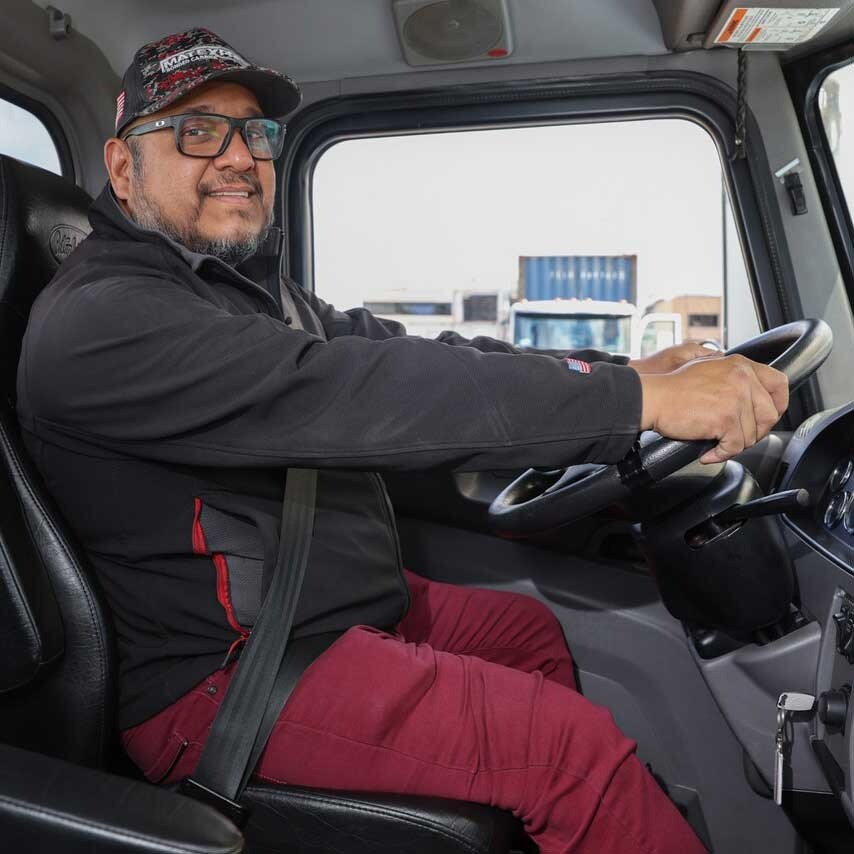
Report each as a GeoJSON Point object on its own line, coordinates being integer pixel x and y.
{"type": "Point", "coordinates": [731, 439]}
{"type": "Point", "coordinates": [765, 411]}
{"type": "Point", "coordinates": [747, 417]}
{"type": "Point", "coordinates": [702, 352]}
{"type": "Point", "coordinates": [733, 400]}
{"type": "Point", "coordinates": [715, 455]}
{"type": "Point", "coordinates": [726, 448]}
{"type": "Point", "coordinates": [751, 416]}
{"type": "Point", "coordinates": [776, 384]}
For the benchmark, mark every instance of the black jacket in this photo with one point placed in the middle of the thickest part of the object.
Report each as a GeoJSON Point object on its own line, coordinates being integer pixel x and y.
{"type": "Point", "coordinates": [163, 393]}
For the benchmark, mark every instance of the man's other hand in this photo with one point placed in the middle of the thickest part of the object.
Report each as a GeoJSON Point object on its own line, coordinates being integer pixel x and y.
{"type": "Point", "coordinates": [671, 358]}
{"type": "Point", "coordinates": [730, 399]}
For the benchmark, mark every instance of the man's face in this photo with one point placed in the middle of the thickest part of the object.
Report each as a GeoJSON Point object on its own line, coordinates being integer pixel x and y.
{"type": "Point", "coordinates": [188, 198]}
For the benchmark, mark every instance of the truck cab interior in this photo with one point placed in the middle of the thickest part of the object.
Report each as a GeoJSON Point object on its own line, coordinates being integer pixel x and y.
{"type": "Point", "coordinates": [706, 140]}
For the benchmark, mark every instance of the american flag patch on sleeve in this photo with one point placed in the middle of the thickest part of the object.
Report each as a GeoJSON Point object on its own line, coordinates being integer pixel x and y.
{"type": "Point", "coordinates": [578, 365]}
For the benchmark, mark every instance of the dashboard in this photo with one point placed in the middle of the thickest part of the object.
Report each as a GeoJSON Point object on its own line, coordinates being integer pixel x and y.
{"type": "Point", "coordinates": [820, 459]}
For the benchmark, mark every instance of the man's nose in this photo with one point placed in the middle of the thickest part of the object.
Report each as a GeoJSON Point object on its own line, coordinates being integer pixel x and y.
{"type": "Point", "coordinates": [236, 154]}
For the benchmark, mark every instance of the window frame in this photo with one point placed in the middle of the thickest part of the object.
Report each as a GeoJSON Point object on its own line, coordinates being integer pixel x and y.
{"type": "Point", "coordinates": [805, 78]}
{"type": "Point", "coordinates": [649, 95]}
{"type": "Point", "coordinates": [50, 123]}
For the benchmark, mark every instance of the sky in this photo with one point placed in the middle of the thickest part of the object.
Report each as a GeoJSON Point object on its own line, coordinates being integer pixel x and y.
{"type": "Point", "coordinates": [433, 213]}
{"type": "Point", "coordinates": [23, 136]}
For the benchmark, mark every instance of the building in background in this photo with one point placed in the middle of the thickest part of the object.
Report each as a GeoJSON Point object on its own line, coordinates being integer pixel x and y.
{"type": "Point", "coordinates": [701, 315]}
{"type": "Point", "coordinates": [468, 312]}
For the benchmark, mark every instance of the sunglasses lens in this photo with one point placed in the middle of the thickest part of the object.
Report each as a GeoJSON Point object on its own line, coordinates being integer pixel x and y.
{"type": "Point", "coordinates": [202, 136]}
{"type": "Point", "coordinates": [265, 138]}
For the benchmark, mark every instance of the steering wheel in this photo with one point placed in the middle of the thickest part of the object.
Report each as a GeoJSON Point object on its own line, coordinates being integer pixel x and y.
{"type": "Point", "coordinates": [542, 500]}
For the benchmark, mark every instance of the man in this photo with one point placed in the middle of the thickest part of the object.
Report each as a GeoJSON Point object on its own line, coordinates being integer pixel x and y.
{"type": "Point", "coordinates": [174, 371]}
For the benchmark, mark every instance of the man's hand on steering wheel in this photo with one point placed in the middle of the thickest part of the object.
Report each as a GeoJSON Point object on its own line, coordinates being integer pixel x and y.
{"type": "Point", "coordinates": [671, 358]}
{"type": "Point", "coordinates": [731, 399]}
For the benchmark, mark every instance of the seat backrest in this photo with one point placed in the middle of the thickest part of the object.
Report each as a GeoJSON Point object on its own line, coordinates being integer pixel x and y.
{"type": "Point", "coordinates": [57, 659]}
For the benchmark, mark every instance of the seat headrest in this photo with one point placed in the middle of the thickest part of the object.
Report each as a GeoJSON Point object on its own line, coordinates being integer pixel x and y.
{"type": "Point", "coordinates": [42, 219]}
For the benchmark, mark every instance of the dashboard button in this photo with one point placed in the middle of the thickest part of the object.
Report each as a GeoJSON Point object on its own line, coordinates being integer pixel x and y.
{"type": "Point", "coordinates": [840, 475]}
{"type": "Point", "coordinates": [833, 708]}
{"type": "Point", "coordinates": [836, 508]}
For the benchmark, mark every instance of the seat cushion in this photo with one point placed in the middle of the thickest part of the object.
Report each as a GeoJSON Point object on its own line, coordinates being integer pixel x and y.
{"type": "Point", "coordinates": [47, 805]}
{"type": "Point", "coordinates": [298, 821]}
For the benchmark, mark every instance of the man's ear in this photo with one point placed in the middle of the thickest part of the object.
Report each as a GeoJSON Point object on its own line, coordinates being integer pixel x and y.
{"type": "Point", "coordinates": [117, 159]}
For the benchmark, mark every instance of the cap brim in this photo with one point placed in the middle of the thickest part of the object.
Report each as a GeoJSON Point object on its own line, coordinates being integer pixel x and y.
{"type": "Point", "coordinates": [276, 93]}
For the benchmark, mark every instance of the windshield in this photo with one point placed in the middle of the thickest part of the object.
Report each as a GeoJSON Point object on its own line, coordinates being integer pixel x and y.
{"type": "Point", "coordinates": [559, 332]}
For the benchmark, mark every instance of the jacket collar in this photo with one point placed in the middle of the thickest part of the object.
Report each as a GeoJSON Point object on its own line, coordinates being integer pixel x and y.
{"type": "Point", "coordinates": [261, 271]}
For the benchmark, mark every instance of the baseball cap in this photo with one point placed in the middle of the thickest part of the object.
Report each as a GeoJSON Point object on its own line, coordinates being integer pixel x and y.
{"type": "Point", "coordinates": [165, 70]}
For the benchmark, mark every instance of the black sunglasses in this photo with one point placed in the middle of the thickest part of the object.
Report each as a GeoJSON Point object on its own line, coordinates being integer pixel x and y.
{"type": "Point", "coordinates": [204, 135]}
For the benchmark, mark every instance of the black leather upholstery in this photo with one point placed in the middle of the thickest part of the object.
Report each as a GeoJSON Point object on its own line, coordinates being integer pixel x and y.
{"type": "Point", "coordinates": [52, 806]}
{"type": "Point", "coordinates": [42, 219]}
{"type": "Point", "coordinates": [66, 707]}
{"type": "Point", "coordinates": [31, 635]}
{"type": "Point", "coordinates": [287, 820]}
{"type": "Point", "coordinates": [57, 678]}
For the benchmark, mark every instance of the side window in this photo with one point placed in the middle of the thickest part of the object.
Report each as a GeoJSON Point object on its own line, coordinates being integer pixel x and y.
{"type": "Point", "coordinates": [612, 235]}
{"type": "Point", "coordinates": [836, 106]}
{"type": "Point", "coordinates": [24, 136]}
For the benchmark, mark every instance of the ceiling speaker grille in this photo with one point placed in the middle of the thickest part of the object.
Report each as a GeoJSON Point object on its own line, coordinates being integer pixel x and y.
{"type": "Point", "coordinates": [439, 31]}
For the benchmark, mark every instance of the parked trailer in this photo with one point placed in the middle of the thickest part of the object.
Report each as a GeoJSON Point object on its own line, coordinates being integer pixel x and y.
{"type": "Point", "coordinates": [607, 278]}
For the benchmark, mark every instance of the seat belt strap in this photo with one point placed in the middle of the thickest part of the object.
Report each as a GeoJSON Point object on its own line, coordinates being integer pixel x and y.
{"type": "Point", "coordinates": [300, 654]}
{"type": "Point", "coordinates": [233, 741]}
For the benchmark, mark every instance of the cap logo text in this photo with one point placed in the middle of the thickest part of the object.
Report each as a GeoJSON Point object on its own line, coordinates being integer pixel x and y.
{"type": "Point", "coordinates": [200, 54]}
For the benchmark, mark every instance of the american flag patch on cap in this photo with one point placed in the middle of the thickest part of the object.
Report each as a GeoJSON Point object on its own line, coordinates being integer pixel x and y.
{"type": "Point", "coordinates": [120, 106]}
{"type": "Point", "coordinates": [578, 365]}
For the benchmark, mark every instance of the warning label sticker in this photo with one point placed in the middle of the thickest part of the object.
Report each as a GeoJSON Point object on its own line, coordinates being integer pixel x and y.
{"type": "Point", "coordinates": [759, 24]}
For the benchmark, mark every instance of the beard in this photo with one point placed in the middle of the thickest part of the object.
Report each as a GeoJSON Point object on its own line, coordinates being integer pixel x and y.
{"type": "Point", "coordinates": [233, 249]}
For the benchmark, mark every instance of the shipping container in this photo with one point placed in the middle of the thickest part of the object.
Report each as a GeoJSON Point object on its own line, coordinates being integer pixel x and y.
{"type": "Point", "coordinates": [600, 277]}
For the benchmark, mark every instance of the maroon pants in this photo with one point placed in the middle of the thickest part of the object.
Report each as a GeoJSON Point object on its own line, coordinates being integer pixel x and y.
{"type": "Point", "coordinates": [472, 698]}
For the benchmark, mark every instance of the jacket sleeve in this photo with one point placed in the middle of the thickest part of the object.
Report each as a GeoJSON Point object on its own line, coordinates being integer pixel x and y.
{"type": "Point", "coordinates": [360, 321]}
{"type": "Point", "coordinates": [149, 369]}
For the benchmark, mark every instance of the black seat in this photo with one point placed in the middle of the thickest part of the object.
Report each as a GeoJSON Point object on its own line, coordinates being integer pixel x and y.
{"type": "Point", "coordinates": [58, 668]}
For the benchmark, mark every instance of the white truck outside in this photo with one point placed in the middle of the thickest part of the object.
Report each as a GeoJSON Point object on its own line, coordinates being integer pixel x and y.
{"type": "Point", "coordinates": [573, 324]}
